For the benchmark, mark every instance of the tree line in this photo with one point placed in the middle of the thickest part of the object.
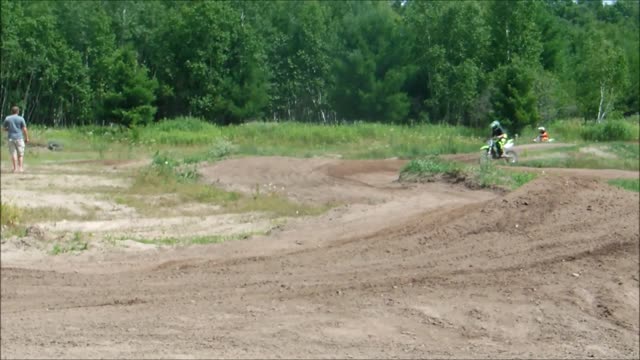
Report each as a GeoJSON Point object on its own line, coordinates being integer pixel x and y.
{"type": "Point", "coordinates": [401, 61]}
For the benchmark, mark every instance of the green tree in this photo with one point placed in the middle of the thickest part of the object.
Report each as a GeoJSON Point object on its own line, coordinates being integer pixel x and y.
{"type": "Point", "coordinates": [370, 72]}
{"type": "Point", "coordinates": [514, 101]}
{"type": "Point", "coordinates": [130, 101]}
{"type": "Point", "coordinates": [40, 73]}
{"type": "Point", "coordinates": [210, 66]}
{"type": "Point", "coordinates": [604, 73]}
{"type": "Point", "coordinates": [514, 32]}
{"type": "Point", "coordinates": [449, 42]}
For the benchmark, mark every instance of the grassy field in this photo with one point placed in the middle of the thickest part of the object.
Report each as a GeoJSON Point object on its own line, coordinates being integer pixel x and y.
{"type": "Point", "coordinates": [195, 140]}
{"type": "Point", "coordinates": [174, 148]}
{"type": "Point", "coordinates": [611, 155]}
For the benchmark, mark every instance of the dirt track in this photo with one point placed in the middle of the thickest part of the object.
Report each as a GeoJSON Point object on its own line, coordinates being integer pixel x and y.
{"type": "Point", "coordinates": [398, 271]}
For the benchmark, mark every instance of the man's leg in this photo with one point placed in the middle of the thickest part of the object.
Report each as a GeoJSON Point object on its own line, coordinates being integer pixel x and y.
{"type": "Point", "coordinates": [20, 146]}
{"type": "Point", "coordinates": [14, 156]}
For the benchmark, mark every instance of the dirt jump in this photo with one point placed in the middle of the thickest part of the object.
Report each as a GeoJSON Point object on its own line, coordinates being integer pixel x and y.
{"type": "Point", "coordinates": [394, 270]}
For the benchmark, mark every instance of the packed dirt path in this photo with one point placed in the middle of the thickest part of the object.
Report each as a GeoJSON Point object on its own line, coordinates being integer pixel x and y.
{"type": "Point", "coordinates": [396, 271]}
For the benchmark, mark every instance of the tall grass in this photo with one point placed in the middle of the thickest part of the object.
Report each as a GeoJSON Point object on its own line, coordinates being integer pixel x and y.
{"type": "Point", "coordinates": [577, 130]}
{"type": "Point", "coordinates": [359, 140]}
{"type": "Point", "coordinates": [623, 156]}
{"type": "Point", "coordinates": [195, 137]}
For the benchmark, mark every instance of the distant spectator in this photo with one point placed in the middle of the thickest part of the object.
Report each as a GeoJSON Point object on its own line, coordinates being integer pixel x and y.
{"type": "Point", "coordinates": [15, 125]}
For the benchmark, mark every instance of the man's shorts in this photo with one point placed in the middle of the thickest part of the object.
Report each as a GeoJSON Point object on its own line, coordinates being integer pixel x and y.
{"type": "Point", "coordinates": [16, 147]}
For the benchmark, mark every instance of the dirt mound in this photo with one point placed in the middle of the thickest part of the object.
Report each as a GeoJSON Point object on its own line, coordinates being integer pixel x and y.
{"type": "Point", "coordinates": [309, 180]}
{"type": "Point", "coordinates": [553, 259]}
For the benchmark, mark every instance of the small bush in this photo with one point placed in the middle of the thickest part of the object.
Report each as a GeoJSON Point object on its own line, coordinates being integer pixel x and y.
{"type": "Point", "coordinates": [169, 168]}
{"type": "Point", "coordinates": [220, 149]}
{"type": "Point", "coordinates": [612, 130]}
{"type": "Point", "coordinates": [77, 243]}
{"type": "Point", "coordinates": [488, 176]}
{"type": "Point", "coordinates": [429, 168]}
{"type": "Point", "coordinates": [10, 215]}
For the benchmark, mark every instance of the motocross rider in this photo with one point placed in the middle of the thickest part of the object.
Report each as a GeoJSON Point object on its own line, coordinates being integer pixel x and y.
{"type": "Point", "coordinates": [500, 136]}
{"type": "Point", "coordinates": [543, 136]}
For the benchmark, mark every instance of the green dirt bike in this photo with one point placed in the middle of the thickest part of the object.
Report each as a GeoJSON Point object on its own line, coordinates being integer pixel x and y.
{"type": "Point", "coordinates": [490, 152]}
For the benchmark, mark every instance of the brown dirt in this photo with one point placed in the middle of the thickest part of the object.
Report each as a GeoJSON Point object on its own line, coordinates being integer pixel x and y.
{"type": "Point", "coordinates": [399, 271]}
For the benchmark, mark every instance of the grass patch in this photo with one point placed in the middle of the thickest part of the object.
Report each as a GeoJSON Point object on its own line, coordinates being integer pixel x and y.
{"type": "Point", "coordinates": [619, 155]}
{"type": "Point", "coordinates": [198, 240]}
{"type": "Point", "coordinates": [582, 161]}
{"type": "Point", "coordinates": [76, 244]}
{"type": "Point", "coordinates": [10, 215]}
{"type": "Point", "coordinates": [486, 175]}
{"type": "Point", "coordinates": [627, 184]}
{"type": "Point", "coordinates": [626, 151]}
{"type": "Point", "coordinates": [11, 218]}
{"type": "Point", "coordinates": [430, 169]}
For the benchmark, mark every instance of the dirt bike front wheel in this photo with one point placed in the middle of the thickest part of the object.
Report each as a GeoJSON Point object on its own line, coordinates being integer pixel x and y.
{"type": "Point", "coordinates": [511, 157]}
{"type": "Point", "coordinates": [485, 157]}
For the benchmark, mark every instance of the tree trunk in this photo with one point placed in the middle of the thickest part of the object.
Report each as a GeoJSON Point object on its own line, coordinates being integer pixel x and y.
{"type": "Point", "coordinates": [26, 93]}
{"type": "Point", "coordinates": [600, 109]}
{"type": "Point", "coordinates": [5, 94]}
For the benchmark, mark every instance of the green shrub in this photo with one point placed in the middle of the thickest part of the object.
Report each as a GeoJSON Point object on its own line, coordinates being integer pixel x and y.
{"type": "Point", "coordinates": [430, 167]}
{"type": "Point", "coordinates": [628, 184]}
{"type": "Point", "coordinates": [10, 215]}
{"type": "Point", "coordinates": [612, 130]}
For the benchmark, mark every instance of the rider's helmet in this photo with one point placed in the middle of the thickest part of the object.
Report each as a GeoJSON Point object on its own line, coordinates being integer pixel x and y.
{"type": "Point", "coordinates": [495, 124]}
{"type": "Point", "coordinates": [541, 129]}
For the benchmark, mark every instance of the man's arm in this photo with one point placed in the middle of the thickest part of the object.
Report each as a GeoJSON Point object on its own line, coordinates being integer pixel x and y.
{"type": "Point", "coordinates": [26, 134]}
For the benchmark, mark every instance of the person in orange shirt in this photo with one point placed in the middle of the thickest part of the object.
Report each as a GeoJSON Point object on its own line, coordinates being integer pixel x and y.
{"type": "Point", "coordinates": [543, 136]}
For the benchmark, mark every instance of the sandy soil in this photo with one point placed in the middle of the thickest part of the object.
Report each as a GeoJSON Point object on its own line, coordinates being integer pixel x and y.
{"type": "Point", "coordinates": [396, 271]}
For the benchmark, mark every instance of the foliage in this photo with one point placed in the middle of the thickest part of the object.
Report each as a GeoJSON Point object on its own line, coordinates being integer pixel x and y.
{"type": "Point", "coordinates": [514, 100]}
{"type": "Point", "coordinates": [229, 62]}
{"type": "Point", "coordinates": [628, 184]}
{"type": "Point", "coordinates": [129, 102]}
{"type": "Point", "coordinates": [608, 131]}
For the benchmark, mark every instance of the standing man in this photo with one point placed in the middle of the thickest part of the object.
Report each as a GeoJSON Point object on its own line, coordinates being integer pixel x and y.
{"type": "Point", "coordinates": [15, 125]}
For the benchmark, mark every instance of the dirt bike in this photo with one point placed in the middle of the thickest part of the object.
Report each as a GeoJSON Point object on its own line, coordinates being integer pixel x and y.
{"type": "Point", "coordinates": [537, 139]}
{"type": "Point", "coordinates": [490, 152]}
